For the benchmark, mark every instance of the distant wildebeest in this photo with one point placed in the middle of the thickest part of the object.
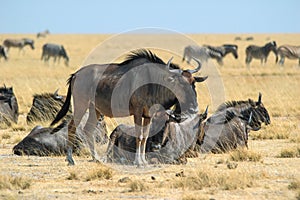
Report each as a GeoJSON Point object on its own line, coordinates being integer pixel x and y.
{"type": "Point", "coordinates": [18, 43]}
{"type": "Point", "coordinates": [129, 88]}
{"type": "Point", "coordinates": [237, 38]}
{"type": "Point", "coordinates": [201, 52]}
{"type": "Point", "coordinates": [46, 141]}
{"type": "Point", "coordinates": [45, 107]}
{"type": "Point", "coordinates": [55, 51]}
{"type": "Point", "coordinates": [288, 51]}
{"type": "Point", "coordinates": [170, 139]}
{"type": "Point", "coordinates": [43, 34]}
{"type": "Point", "coordinates": [230, 125]}
{"type": "Point", "coordinates": [260, 52]}
{"type": "Point", "coordinates": [250, 38]}
{"type": "Point", "coordinates": [223, 51]}
{"type": "Point", "coordinates": [9, 109]}
{"type": "Point", "coordinates": [3, 52]}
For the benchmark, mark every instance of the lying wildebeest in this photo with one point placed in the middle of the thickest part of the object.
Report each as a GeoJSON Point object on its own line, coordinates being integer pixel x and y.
{"type": "Point", "coordinates": [229, 126]}
{"type": "Point", "coordinates": [9, 109]}
{"type": "Point", "coordinates": [45, 107]}
{"type": "Point", "coordinates": [129, 88]}
{"type": "Point", "coordinates": [3, 52]}
{"type": "Point", "coordinates": [43, 34]}
{"type": "Point", "coordinates": [260, 52]}
{"type": "Point", "coordinates": [55, 51]}
{"type": "Point", "coordinates": [169, 141]}
{"type": "Point", "coordinates": [18, 43]}
{"type": "Point", "coordinates": [46, 141]}
{"type": "Point", "coordinates": [223, 50]}
{"type": "Point", "coordinates": [288, 51]}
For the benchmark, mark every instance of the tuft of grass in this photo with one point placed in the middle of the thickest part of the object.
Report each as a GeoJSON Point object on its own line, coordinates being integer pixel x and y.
{"type": "Point", "coordinates": [290, 153]}
{"type": "Point", "coordinates": [6, 136]}
{"type": "Point", "coordinates": [137, 186]}
{"type": "Point", "coordinates": [73, 176]}
{"type": "Point", "coordinates": [295, 139]}
{"type": "Point", "coordinates": [99, 173]}
{"type": "Point", "coordinates": [294, 185]}
{"type": "Point", "coordinates": [242, 154]}
{"type": "Point", "coordinates": [10, 182]}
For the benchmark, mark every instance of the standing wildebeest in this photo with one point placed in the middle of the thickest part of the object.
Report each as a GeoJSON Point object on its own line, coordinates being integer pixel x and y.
{"type": "Point", "coordinates": [46, 141]}
{"type": "Point", "coordinates": [201, 52]}
{"type": "Point", "coordinates": [258, 52]}
{"type": "Point", "coordinates": [18, 43]}
{"type": "Point", "coordinates": [229, 126]}
{"type": "Point", "coordinates": [54, 50]}
{"type": "Point", "coordinates": [169, 139]}
{"type": "Point", "coordinates": [223, 50]}
{"type": "Point", "coordinates": [3, 52]}
{"type": "Point", "coordinates": [129, 88]}
{"type": "Point", "coordinates": [45, 107]}
{"type": "Point", "coordinates": [43, 34]}
{"type": "Point", "coordinates": [289, 51]}
{"type": "Point", "coordinates": [9, 109]}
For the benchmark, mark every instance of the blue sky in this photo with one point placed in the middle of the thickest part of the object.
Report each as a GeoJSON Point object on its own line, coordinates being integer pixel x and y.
{"type": "Point", "coordinates": [188, 16]}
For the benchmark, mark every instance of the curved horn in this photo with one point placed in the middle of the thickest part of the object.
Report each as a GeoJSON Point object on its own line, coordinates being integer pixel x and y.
{"type": "Point", "coordinates": [206, 110]}
{"type": "Point", "coordinates": [259, 98]}
{"type": "Point", "coordinates": [169, 62]}
{"type": "Point", "coordinates": [192, 71]}
{"type": "Point", "coordinates": [56, 92]}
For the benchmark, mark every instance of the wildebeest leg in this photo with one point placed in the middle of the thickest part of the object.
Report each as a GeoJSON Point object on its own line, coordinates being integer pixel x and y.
{"type": "Point", "coordinates": [248, 60]}
{"type": "Point", "coordinates": [281, 61]}
{"type": "Point", "coordinates": [54, 59]}
{"type": "Point", "coordinates": [299, 62]}
{"type": "Point", "coordinates": [146, 129]}
{"type": "Point", "coordinates": [71, 142]}
{"type": "Point", "coordinates": [220, 61]}
{"type": "Point", "coordinates": [139, 136]}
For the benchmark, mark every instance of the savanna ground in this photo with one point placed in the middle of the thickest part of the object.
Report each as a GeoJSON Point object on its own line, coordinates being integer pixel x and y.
{"type": "Point", "coordinates": [269, 169]}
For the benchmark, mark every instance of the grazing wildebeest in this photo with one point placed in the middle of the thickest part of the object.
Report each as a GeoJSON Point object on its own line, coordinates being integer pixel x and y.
{"type": "Point", "coordinates": [262, 53]}
{"type": "Point", "coordinates": [43, 34]}
{"type": "Point", "coordinates": [223, 50]}
{"type": "Point", "coordinates": [250, 38]}
{"type": "Point", "coordinates": [201, 52]}
{"type": "Point", "coordinates": [18, 43]}
{"type": "Point", "coordinates": [171, 139]}
{"type": "Point", "coordinates": [288, 51]}
{"type": "Point", "coordinates": [129, 88]}
{"type": "Point", "coordinates": [45, 141]}
{"type": "Point", "coordinates": [45, 107]}
{"type": "Point", "coordinates": [229, 126]}
{"type": "Point", "coordinates": [9, 109]}
{"type": "Point", "coordinates": [55, 51]}
{"type": "Point", "coordinates": [237, 38]}
{"type": "Point", "coordinates": [3, 52]}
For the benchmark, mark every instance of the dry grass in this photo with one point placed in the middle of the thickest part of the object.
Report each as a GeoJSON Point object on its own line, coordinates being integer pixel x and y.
{"type": "Point", "coordinates": [209, 173]}
{"type": "Point", "coordinates": [11, 182]}
{"type": "Point", "coordinates": [290, 152]}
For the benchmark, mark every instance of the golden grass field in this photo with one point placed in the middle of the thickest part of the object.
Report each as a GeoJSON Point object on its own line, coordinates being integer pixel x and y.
{"type": "Point", "coordinates": [269, 169]}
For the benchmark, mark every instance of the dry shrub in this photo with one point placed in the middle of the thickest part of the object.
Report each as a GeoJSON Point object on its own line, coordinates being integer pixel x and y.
{"type": "Point", "coordinates": [242, 154]}
{"type": "Point", "coordinates": [99, 173]}
{"type": "Point", "coordinates": [10, 182]}
{"type": "Point", "coordinates": [290, 153]}
{"type": "Point", "coordinates": [137, 186]}
{"type": "Point", "coordinates": [223, 180]}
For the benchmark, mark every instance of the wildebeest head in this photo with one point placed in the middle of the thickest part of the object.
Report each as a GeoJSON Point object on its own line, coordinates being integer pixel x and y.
{"type": "Point", "coordinates": [232, 48]}
{"type": "Point", "coordinates": [3, 52]}
{"type": "Point", "coordinates": [45, 107]}
{"type": "Point", "coordinates": [9, 109]}
{"type": "Point", "coordinates": [63, 53]}
{"type": "Point", "coordinates": [29, 42]}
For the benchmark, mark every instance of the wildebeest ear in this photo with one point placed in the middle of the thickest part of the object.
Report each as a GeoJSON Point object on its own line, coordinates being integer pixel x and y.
{"type": "Point", "coordinates": [200, 79]}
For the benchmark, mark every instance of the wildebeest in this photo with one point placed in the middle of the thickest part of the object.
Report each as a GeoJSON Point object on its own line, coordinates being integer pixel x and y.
{"type": "Point", "coordinates": [55, 51]}
{"type": "Point", "coordinates": [169, 141]}
{"type": "Point", "coordinates": [18, 43]}
{"type": "Point", "coordinates": [223, 50]}
{"type": "Point", "coordinates": [45, 107]}
{"type": "Point", "coordinates": [43, 34]}
{"type": "Point", "coordinates": [201, 52]}
{"type": "Point", "coordinates": [3, 52]}
{"type": "Point", "coordinates": [260, 52]}
{"type": "Point", "coordinates": [129, 88]}
{"type": "Point", "coordinates": [9, 109]}
{"type": "Point", "coordinates": [288, 51]}
{"type": "Point", "coordinates": [45, 141]}
{"type": "Point", "coordinates": [229, 126]}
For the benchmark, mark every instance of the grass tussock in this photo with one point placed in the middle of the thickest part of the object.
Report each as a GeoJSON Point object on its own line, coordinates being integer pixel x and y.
{"type": "Point", "coordinates": [224, 180]}
{"type": "Point", "coordinates": [137, 186]}
{"type": "Point", "coordinates": [10, 182]}
{"type": "Point", "coordinates": [73, 176]}
{"type": "Point", "coordinates": [290, 153]}
{"type": "Point", "coordinates": [294, 185]}
{"type": "Point", "coordinates": [6, 136]}
{"type": "Point", "coordinates": [99, 173]}
{"type": "Point", "coordinates": [242, 154]}
{"type": "Point", "coordinates": [295, 138]}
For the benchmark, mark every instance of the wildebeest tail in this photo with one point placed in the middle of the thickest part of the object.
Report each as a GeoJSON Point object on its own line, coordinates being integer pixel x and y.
{"type": "Point", "coordinates": [64, 109]}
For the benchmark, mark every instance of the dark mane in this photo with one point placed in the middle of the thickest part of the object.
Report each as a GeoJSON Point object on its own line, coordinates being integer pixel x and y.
{"type": "Point", "coordinates": [148, 55]}
{"type": "Point", "coordinates": [44, 95]}
{"type": "Point", "coordinates": [229, 104]}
